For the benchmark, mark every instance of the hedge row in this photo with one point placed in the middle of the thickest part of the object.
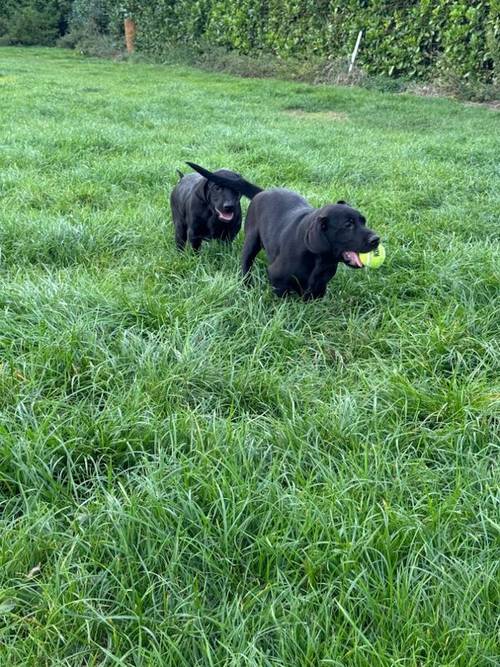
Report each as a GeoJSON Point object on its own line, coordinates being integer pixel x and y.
{"type": "Point", "coordinates": [400, 38]}
{"type": "Point", "coordinates": [412, 38]}
{"type": "Point", "coordinates": [33, 21]}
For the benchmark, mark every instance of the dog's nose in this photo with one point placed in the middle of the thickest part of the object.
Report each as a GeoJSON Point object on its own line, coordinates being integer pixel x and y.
{"type": "Point", "coordinates": [228, 208]}
{"type": "Point", "coordinates": [373, 241]}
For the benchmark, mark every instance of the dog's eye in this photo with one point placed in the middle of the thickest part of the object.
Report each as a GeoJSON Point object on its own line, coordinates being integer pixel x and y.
{"type": "Point", "coordinates": [349, 222]}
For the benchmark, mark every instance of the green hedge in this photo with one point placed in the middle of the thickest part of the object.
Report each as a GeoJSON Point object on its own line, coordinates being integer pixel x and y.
{"type": "Point", "coordinates": [400, 38]}
{"type": "Point", "coordinates": [33, 21]}
{"type": "Point", "coordinates": [412, 38]}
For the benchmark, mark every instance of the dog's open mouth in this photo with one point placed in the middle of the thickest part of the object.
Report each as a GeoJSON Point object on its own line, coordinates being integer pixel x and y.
{"type": "Point", "coordinates": [352, 259]}
{"type": "Point", "coordinates": [226, 217]}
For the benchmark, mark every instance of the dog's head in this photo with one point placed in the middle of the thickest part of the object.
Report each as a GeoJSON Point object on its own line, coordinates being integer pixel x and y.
{"type": "Point", "coordinates": [224, 201]}
{"type": "Point", "coordinates": [341, 231]}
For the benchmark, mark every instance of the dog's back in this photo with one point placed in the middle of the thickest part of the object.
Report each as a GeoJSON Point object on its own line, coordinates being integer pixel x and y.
{"type": "Point", "coordinates": [273, 212]}
{"type": "Point", "coordinates": [183, 190]}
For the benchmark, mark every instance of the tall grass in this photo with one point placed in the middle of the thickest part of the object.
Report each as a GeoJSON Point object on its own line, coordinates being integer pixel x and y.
{"type": "Point", "coordinates": [192, 473]}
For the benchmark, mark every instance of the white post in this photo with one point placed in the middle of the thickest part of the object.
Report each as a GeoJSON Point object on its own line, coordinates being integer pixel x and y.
{"type": "Point", "coordinates": [355, 52]}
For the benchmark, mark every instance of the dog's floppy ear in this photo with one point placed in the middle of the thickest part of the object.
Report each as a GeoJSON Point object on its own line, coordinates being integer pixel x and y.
{"type": "Point", "coordinates": [316, 239]}
{"type": "Point", "coordinates": [235, 183]}
{"type": "Point", "coordinates": [209, 175]}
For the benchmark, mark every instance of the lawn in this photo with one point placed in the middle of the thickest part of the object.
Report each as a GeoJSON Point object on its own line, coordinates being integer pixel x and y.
{"type": "Point", "coordinates": [195, 473]}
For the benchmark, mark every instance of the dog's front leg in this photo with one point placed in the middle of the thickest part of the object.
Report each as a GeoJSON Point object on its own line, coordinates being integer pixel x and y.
{"type": "Point", "coordinates": [180, 236]}
{"type": "Point", "coordinates": [318, 280]}
{"type": "Point", "coordinates": [194, 240]}
{"type": "Point", "coordinates": [195, 234]}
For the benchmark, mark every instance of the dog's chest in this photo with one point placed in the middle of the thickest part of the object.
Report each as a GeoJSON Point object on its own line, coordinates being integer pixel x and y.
{"type": "Point", "coordinates": [216, 228]}
{"type": "Point", "coordinates": [312, 270]}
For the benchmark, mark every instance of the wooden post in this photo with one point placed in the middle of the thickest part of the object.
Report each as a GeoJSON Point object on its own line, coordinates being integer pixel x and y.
{"type": "Point", "coordinates": [355, 52]}
{"type": "Point", "coordinates": [130, 34]}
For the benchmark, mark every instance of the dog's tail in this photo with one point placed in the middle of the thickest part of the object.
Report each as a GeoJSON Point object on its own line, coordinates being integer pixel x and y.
{"type": "Point", "coordinates": [181, 175]}
{"type": "Point", "coordinates": [235, 182]}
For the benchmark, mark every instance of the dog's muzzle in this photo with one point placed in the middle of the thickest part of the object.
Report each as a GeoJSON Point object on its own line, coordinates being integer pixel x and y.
{"type": "Point", "coordinates": [225, 216]}
{"type": "Point", "coordinates": [352, 259]}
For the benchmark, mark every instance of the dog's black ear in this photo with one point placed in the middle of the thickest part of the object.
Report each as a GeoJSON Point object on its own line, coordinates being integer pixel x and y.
{"type": "Point", "coordinates": [341, 201]}
{"type": "Point", "coordinates": [180, 174]}
{"type": "Point", "coordinates": [316, 239]}
{"type": "Point", "coordinates": [235, 183]}
{"type": "Point", "coordinates": [205, 173]}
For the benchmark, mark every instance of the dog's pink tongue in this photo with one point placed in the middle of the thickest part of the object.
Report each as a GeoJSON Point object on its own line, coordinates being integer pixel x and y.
{"type": "Point", "coordinates": [225, 216]}
{"type": "Point", "coordinates": [353, 258]}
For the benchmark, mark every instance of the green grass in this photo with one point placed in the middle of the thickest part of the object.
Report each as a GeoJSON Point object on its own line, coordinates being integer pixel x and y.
{"type": "Point", "coordinates": [207, 475]}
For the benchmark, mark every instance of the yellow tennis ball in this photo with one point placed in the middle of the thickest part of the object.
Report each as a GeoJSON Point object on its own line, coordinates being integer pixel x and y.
{"type": "Point", "coordinates": [373, 259]}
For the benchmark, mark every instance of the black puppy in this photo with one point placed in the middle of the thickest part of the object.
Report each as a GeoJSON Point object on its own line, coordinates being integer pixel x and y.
{"type": "Point", "coordinates": [205, 209]}
{"type": "Point", "coordinates": [304, 245]}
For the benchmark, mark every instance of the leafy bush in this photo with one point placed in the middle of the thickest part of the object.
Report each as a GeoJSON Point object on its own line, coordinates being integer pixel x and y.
{"type": "Point", "coordinates": [95, 27]}
{"type": "Point", "coordinates": [33, 21]}
{"type": "Point", "coordinates": [91, 16]}
{"type": "Point", "coordinates": [31, 26]}
{"type": "Point", "coordinates": [400, 38]}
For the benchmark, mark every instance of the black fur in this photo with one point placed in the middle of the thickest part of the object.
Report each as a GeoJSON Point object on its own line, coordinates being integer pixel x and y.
{"type": "Point", "coordinates": [304, 245]}
{"type": "Point", "coordinates": [228, 179]}
{"type": "Point", "coordinates": [205, 209]}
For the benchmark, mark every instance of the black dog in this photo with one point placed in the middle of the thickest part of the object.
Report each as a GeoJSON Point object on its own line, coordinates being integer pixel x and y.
{"type": "Point", "coordinates": [205, 209]}
{"type": "Point", "coordinates": [304, 245]}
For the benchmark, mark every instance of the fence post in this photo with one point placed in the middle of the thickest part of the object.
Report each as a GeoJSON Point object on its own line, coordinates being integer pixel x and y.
{"type": "Point", "coordinates": [355, 52]}
{"type": "Point", "coordinates": [130, 34]}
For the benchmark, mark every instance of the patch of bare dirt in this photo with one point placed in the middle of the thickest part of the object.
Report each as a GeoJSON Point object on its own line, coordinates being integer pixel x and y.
{"type": "Point", "coordinates": [493, 104]}
{"type": "Point", "coordinates": [437, 90]}
{"type": "Point", "coordinates": [316, 115]}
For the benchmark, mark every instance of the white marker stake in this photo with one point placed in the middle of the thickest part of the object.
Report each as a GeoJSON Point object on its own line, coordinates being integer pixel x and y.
{"type": "Point", "coordinates": [355, 52]}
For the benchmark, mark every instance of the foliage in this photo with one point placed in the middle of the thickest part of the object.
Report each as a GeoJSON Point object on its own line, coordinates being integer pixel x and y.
{"type": "Point", "coordinates": [95, 28]}
{"type": "Point", "coordinates": [31, 26]}
{"type": "Point", "coordinates": [400, 38]}
{"type": "Point", "coordinates": [93, 15]}
{"type": "Point", "coordinates": [31, 22]}
{"type": "Point", "coordinates": [412, 39]}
